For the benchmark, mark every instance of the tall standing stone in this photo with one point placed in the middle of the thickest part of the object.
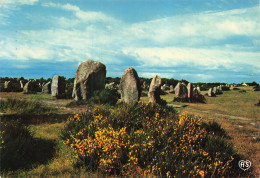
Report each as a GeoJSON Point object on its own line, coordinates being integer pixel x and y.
{"type": "Point", "coordinates": [220, 88]}
{"type": "Point", "coordinates": [196, 94]}
{"type": "Point", "coordinates": [211, 93]}
{"type": "Point", "coordinates": [198, 88]}
{"type": "Point", "coordinates": [130, 87]}
{"type": "Point", "coordinates": [46, 88]}
{"type": "Point", "coordinates": [90, 76]}
{"type": "Point", "coordinates": [214, 91]}
{"type": "Point", "coordinates": [21, 83]}
{"type": "Point", "coordinates": [181, 91]}
{"type": "Point", "coordinates": [154, 90]}
{"type": "Point", "coordinates": [171, 89]}
{"type": "Point", "coordinates": [163, 88]}
{"type": "Point", "coordinates": [28, 87]}
{"type": "Point", "coordinates": [57, 85]}
{"type": "Point", "coordinates": [190, 90]}
{"type": "Point", "coordinates": [7, 84]}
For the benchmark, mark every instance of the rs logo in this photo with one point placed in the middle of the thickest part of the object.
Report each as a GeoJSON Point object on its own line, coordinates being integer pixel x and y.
{"type": "Point", "coordinates": [244, 164]}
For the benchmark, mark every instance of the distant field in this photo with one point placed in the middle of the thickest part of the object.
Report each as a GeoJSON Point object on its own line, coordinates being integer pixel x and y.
{"type": "Point", "coordinates": [234, 110]}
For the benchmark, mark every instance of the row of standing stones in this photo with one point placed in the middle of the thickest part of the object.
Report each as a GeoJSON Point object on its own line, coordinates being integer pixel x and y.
{"type": "Point", "coordinates": [90, 76]}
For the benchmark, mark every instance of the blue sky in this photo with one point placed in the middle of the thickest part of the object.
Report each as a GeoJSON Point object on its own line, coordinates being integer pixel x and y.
{"type": "Point", "coordinates": [196, 40]}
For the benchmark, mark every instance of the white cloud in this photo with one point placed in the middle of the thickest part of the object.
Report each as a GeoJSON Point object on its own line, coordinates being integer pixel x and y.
{"type": "Point", "coordinates": [187, 40]}
{"type": "Point", "coordinates": [18, 2]}
{"type": "Point", "coordinates": [28, 52]}
{"type": "Point", "coordinates": [202, 27]}
{"type": "Point", "coordinates": [202, 58]}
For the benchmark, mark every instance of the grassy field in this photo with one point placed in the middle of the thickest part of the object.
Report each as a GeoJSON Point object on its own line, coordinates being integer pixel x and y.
{"type": "Point", "coordinates": [235, 111]}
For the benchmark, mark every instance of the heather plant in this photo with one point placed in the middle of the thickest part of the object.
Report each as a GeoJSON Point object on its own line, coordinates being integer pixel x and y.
{"type": "Point", "coordinates": [148, 139]}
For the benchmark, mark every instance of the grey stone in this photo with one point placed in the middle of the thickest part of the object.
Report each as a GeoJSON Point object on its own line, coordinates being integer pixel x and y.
{"type": "Point", "coordinates": [90, 77]}
{"type": "Point", "coordinates": [190, 90]}
{"type": "Point", "coordinates": [57, 85]}
{"type": "Point", "coordinates": [211, 93]}
{"type": "Point", "coordinates": [196, 94]}
{"type": "Point", "coordinates": [214, 91]}
{"type": "Point", "coordinates": [21, 83]}
{"type": "Point", "coordinates": [181, 91]}
{"type": "Point", "coordinates": [29, 87]}
{"type": "Point", "coordinates": [130, 87]}
{"type": "Point", "coordinates": [154, 90]}
{"type": "Point", "coordinates": [7, 84]}
{"type": "Point", "coordinates": [163, 88]}
{"type": "Point", "coordinates": [110, 85]}
{"type": "Point", "coordinates": [46, 88]}
{"type": "Point", "coordinates": [171, 89]}
{"type": "Point", "coordinates": [198, 88]}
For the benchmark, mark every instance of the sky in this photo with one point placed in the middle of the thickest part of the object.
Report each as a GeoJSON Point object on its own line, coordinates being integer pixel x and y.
{"type": "Point", "coordinates": [195, 40]}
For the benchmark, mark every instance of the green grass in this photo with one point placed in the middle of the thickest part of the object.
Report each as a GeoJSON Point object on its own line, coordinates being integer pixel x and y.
{"type": "Point", "coordinates": [221, 109]}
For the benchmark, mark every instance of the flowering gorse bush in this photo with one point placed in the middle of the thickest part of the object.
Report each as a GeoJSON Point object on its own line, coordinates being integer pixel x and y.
{"type": "Point", "coordinates": [147, 139]}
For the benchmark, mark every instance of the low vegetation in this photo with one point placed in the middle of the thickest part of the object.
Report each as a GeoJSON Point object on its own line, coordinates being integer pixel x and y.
{"type": "Point", "coordinates": [21, 106]}
{"type": "Point", "coordinates": [132, 140]}
{"type": "Point", "coordinates": [147, 139]}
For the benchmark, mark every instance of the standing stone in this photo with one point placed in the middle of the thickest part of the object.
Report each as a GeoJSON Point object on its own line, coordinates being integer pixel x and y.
{"type": "Point", "coordinates": [144, 86]}
{"type": "Point", "coordinates": [57, 85]}
{"type": "Point", "coordinates": [28, 87]}
{"type": "Point", "coordinates": [211, 93]}
{"type": "Point", "coordinates": [198, 88]}
{"type": "Point", "coordinates": [220, 88]}
{"type": "Point", "coordinates": [214, 91]}
{"type": "Point", "coordinates": [163, 88]}
{"type": "Point", "coordinates": [7, 84]}
{"type": "Point", "coordinates": [190, 90]}
{"type": "Point", "coordinates": [154, 90]}
{"type": "Point", "coordinates": [130, 86]}
{"type": "Point", "coordinates": [171, 89]}
{"type": "Point", "coordinates": [46, 88]}
{"type": "Point", "coordinates": [21, 83]}
{"type": "Point", "coordinates": [181, 91]}
{"type": "Point", "coordinates": [90, 76]}
{"type": "Point", "coordinates": [196, 94]}
{"type": "Point", "coordinates": [110, 85]}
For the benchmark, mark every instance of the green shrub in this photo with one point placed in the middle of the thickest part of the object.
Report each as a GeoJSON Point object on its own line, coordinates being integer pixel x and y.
{"type": "Point", "coordinates": [225, 88]}
{"type": "Point", "coordinates": [149, 139]}
{"type": "Point", "coordinates": [20, 106]}
{"type": "Point", "coordinates": [236, 88]}
{"type": "Point", "coordinates": [106, 96]}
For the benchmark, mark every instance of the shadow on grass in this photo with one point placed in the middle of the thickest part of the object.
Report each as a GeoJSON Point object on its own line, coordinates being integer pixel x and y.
{"type": "Point", "coordinates": [26, 153]}
{"type": "Point", "coordinates": [19, 149]}
{"type": "Point", "coordinates": [36, 119]}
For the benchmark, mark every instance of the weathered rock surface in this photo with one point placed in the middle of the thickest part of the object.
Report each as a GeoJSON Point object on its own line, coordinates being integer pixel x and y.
{"type": "Point", "coordinates": [7, 84]}
{"type": "Point", "coordinates": [198, 88]}
{"type": "Point", "coordinates": [171, 89]}
{"type": "Point", "coordinates": [211, 93]}
{"type": "Point", "coordinates": [110, 85]}
{"type": "Point", "coordinates": [90, 76]}
{"type": "Point", "coordinates": [57, 85]}
{"type": "Point", "coordinates": [154, 90]}
{"type": "Point", "coordinates": [196, 94]}
{"type": "Point", "coordinates": [130, 87]}
{"type": "Point", "coordinates": [21, 83]}
{"type": "Point", "coordinates": [29, 87]}
{"type": "Point", "coordinates": [181, 91]}
{"type": "Point", "coordinates": [190, 90]}
{"type": "Point", "coordinates": [46, 88]}
{"type": "Point", "coordinates": [214, 90]}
